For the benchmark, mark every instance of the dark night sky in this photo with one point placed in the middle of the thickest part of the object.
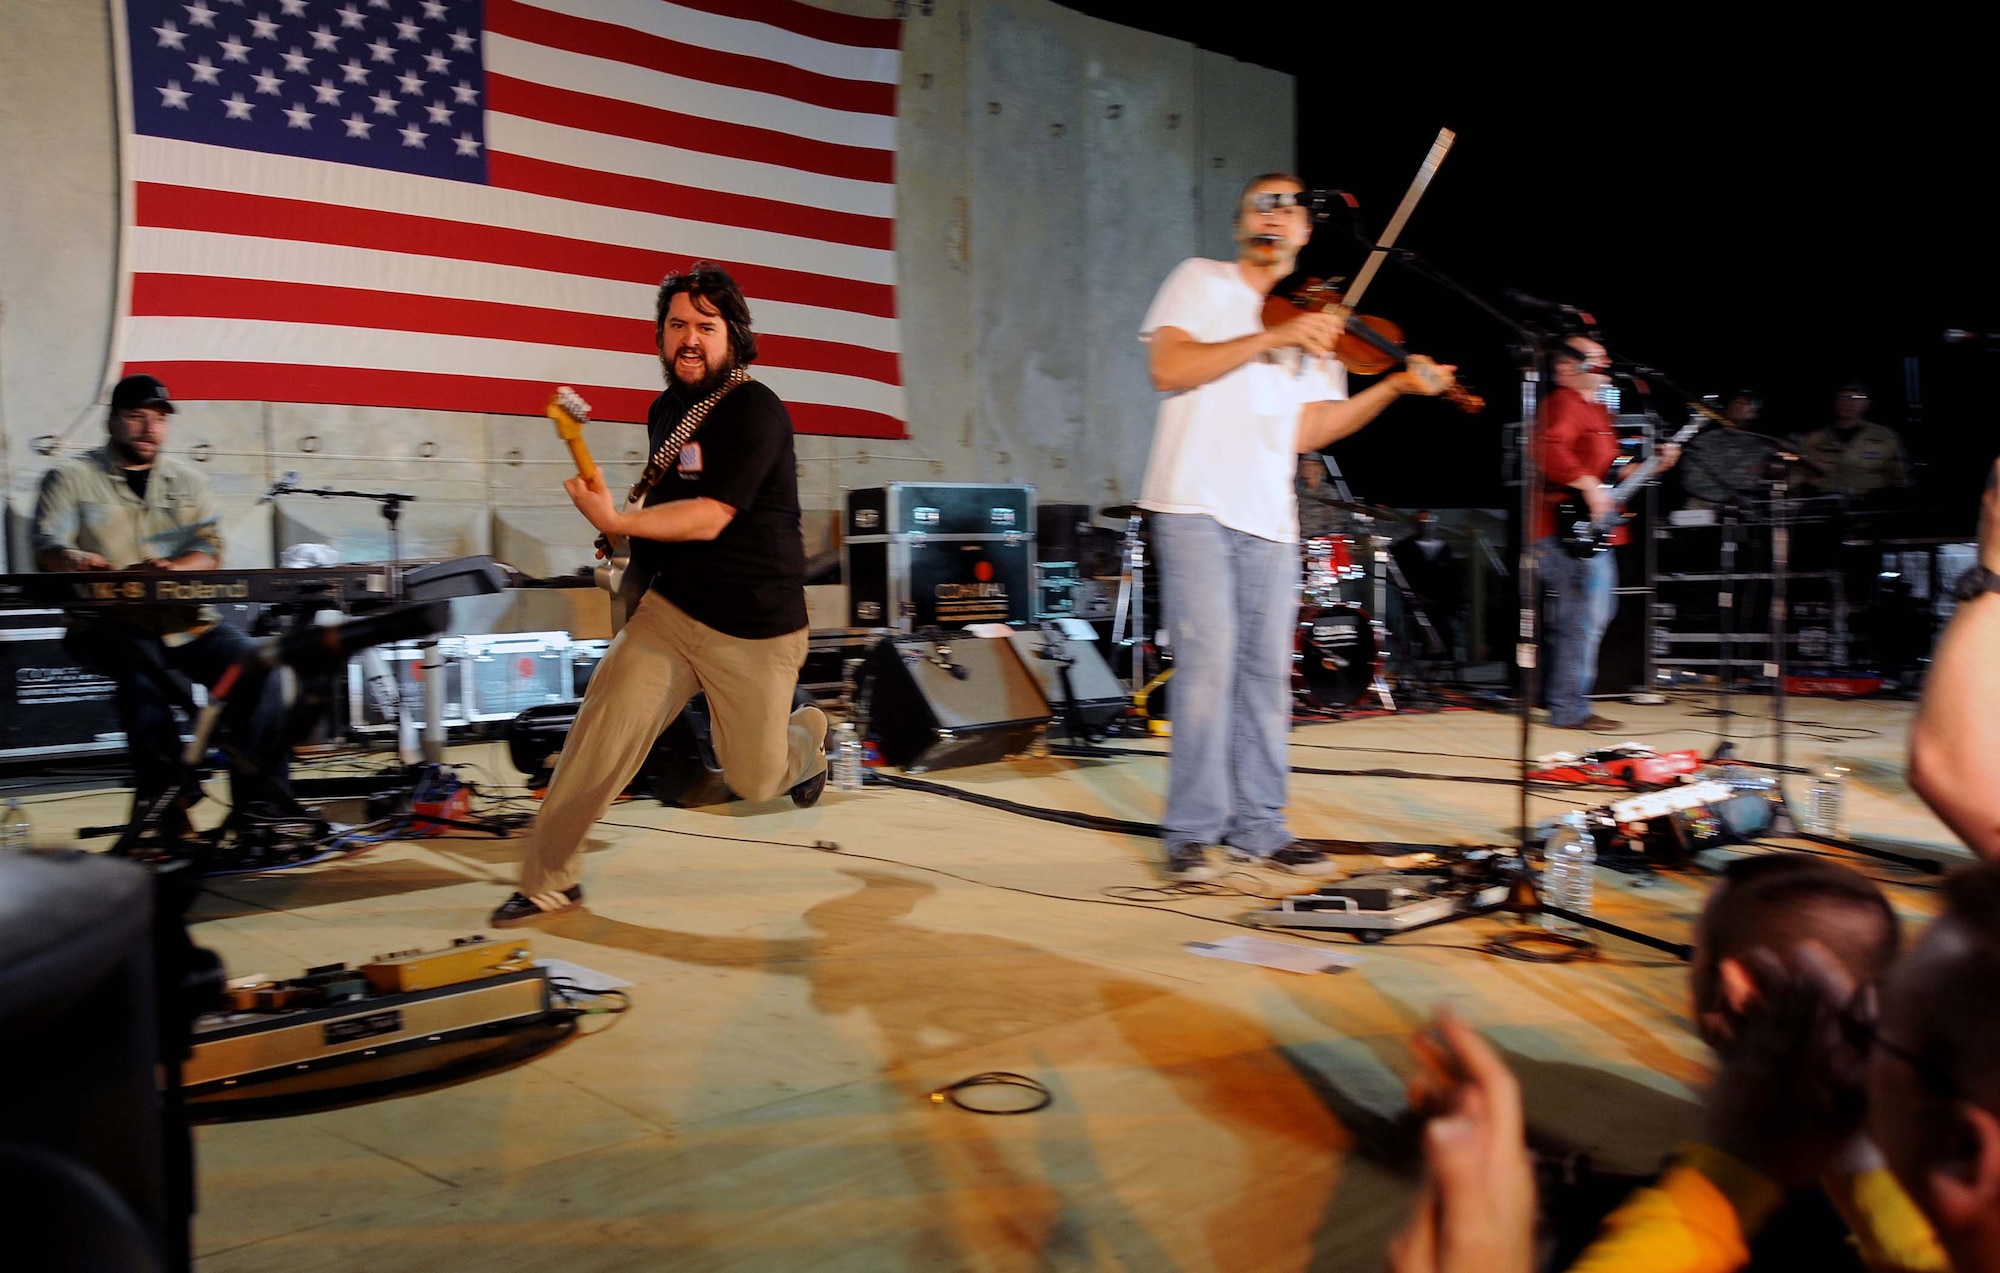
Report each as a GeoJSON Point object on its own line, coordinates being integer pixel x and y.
{"type": "Point", "coordinates": [1781, 209]}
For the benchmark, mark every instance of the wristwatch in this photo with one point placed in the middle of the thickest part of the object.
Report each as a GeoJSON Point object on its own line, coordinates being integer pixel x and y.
{"type": "Point", "coordinates": [1974, 581]}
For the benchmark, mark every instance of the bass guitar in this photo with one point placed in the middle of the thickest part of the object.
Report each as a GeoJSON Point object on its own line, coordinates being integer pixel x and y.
{"type": "Point", "coordinates": [1582, 535]}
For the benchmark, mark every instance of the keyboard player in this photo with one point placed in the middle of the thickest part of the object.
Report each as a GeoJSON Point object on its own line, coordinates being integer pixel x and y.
{"type": "Point", "coordinates": [127, 506]}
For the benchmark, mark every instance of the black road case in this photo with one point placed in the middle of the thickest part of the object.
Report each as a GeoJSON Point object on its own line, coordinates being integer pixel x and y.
{"type": "Point", "coordinates": [939, 554]}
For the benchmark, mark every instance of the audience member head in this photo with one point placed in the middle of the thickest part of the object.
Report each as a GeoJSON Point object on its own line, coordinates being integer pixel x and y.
{"type": "Point", "coordinates": [1775, 902]}
{"type": "Point", "coordinates": [1850, 404]}
{"type": "Point", "coordinates": [1934, 1072]}
{"type": "Point", "coordinates": [1741, 407]}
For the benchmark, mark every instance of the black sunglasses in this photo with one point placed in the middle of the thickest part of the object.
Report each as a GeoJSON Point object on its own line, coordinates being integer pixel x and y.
{"type": "Point", "coordinates": [1934, 1072]}
{"type": "Point", "coordinates": [1272, 200]}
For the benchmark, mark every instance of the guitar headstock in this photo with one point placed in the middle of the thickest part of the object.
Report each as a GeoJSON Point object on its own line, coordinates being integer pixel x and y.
{"type": "Point", "coordinates": [569, 411]}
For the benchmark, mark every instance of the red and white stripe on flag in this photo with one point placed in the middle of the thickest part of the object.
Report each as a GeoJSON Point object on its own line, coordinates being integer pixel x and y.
{"type": "Point", "coordinates": [607, 143]}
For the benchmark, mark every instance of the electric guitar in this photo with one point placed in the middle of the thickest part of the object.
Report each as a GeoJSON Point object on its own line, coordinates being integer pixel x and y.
{"type": "Point", "coordinates": [1582, 535]}
{"type": "Point", "coordinates": [570, 413]}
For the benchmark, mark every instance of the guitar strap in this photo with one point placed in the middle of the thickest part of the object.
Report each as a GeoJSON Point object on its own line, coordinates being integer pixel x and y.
{"type": "Point", "coordinates": [670, 449]}
{"type": "Point", "coordinates": [632, 584]}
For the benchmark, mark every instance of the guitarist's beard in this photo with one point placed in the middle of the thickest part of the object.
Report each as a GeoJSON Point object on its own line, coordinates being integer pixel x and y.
{"type": "Point", "coordinates": [710, 381]}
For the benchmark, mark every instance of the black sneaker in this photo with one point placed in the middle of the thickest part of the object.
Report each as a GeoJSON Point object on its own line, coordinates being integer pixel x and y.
{"type": "Point", "coordinates": [1296, 858]}
{"type": "Point", "coordinates": [806, 794]}
{"type": "Point", "coordinates": [1189, 862]}
{"type": "Point", "coordinates": [521, 909]}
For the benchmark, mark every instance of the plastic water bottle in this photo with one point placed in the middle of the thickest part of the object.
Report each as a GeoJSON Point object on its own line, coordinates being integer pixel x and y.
{"type": "Point", "coordinates": [17, 830]}
{"type": "Point", "coordinates": [1568, 876]}
{"type": "Point", "coordinates": [1823, 801]}
{"type": "Point", "coordinates": [846, 758]}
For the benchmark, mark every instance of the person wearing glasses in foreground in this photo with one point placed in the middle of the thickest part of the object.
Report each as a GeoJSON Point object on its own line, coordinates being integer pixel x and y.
{"type": "Point", "coordinates": [1810, 1061]}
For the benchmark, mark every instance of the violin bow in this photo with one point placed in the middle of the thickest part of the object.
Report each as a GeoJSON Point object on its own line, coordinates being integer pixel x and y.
{"type": "Point", "coordinates": [1418, 184]}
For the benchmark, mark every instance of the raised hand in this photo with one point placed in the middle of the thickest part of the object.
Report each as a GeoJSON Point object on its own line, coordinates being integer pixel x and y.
{"type": "Point", "coordinates": [1475, 1212]}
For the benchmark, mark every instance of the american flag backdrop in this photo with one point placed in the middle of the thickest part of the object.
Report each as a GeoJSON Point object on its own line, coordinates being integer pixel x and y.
{"type": "Point", "coordinates": [458, 204]}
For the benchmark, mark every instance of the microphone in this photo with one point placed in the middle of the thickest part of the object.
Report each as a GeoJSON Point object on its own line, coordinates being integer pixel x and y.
{"type": "Point", "coordinates": [1631, 368]}
{"type": "Point", "coordinates": [1521, 300]}
{"type": "Point", "coordinates": [1960, 336]}
{"type": "Point", "coordinates": [283, 486]}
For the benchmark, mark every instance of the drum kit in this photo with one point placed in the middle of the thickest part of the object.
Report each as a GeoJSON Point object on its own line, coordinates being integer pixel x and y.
{"type": "Point", "coordinates": [1338, 649]}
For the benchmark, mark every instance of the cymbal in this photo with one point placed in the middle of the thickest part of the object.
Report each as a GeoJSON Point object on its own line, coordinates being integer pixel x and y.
{"type": "Point", "coordinates": [1123, 512]}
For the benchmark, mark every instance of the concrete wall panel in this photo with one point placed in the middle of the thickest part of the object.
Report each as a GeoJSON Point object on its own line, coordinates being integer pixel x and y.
{"type": "Point", "coordinates": [1028, 243]}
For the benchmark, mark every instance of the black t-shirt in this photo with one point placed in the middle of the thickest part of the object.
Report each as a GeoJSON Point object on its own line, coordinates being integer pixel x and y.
{"type": "Point", "coordinates": [749, 581]}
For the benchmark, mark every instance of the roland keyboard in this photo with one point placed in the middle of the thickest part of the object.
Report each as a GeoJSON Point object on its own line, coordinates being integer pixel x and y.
{"type": "Point", "coordinates": [322, 587]}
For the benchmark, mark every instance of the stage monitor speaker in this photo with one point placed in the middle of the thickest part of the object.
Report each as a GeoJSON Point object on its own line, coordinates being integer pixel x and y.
{"type": "Point", "coordinates": [84, 1138]}
{"type": "Point", "coordinates": [934, 703]}
{"type": "Point", "coordinates": [680, 769]}
{"type": "Point", "coordinates": [1100, 699]}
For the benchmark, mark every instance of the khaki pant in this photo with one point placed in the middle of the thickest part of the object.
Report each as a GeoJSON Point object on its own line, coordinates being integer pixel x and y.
{"type": "Point", "coordinates": [659, 660]}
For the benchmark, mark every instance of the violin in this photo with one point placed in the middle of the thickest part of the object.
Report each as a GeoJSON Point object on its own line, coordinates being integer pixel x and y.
{"type": "Point", "coordinates": [1368, 347]}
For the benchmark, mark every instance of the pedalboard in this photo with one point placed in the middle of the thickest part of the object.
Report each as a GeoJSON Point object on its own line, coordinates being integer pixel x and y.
{"type": "Point", "coordinates": [1382, 903]}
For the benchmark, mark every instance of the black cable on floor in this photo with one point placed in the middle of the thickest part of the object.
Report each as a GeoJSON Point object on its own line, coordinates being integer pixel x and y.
{"type": "Point", "coordinates": [1088, 821]}
{"type": "Point", "coordinates": [1546, 789]}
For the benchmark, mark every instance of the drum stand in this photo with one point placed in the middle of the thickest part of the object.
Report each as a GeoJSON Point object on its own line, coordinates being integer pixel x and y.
{"type": "Point", "coordinates": [1379, 602]}
{"type": "Point", "coordinates": [1132, 604]}
{"type": "Point", "coordinates": [1415, 608]}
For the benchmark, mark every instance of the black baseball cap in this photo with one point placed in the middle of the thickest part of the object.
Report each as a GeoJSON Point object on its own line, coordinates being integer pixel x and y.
{"type": "Point", "coordinates": [141, 391]}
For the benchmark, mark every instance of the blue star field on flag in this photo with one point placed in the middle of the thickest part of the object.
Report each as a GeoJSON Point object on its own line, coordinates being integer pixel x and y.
{"type": "Point", "coordinates": [394, 84]}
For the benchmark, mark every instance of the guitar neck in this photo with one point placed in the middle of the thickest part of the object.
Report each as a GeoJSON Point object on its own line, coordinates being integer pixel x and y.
{"type": "Point", "coordinates": [580, 452]}
{"type": "Point", "coordinates": [1641, 475]}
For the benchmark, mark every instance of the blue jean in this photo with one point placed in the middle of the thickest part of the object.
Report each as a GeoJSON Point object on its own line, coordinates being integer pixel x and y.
{"type": "Point", "coordinates": [151, 678]}
{"type": "Point", "coordinates": [1232, 605]}
{"type": "Point", "coordinates": [1582, 596]}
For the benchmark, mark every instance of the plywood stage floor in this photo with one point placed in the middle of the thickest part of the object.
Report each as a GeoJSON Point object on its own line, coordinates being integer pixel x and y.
{"type": "Point", "coordinates": [764, 1104]}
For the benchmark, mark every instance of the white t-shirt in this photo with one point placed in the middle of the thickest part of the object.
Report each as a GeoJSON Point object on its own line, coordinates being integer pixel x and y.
{"type": "Point", "coordinates": [1229, 449]}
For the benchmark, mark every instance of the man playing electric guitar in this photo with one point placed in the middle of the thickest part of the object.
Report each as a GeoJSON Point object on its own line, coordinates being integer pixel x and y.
{"type": "Point", "coordinates": [715, 532]}
{"type": "Point", "coordinates": [1575, 446]}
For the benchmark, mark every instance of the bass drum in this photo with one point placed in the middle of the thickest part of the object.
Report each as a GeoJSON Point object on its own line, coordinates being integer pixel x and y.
{"type": "Point", "coordinates": [1334, 656]}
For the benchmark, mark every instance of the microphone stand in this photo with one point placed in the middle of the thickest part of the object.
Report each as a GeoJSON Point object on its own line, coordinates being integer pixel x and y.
{"type": "Point", "coordinates": [433, 662]}
{"type": "Point", "coordinates": [1526, 347]}
{"type": "Point", "coordinates": [392, 512]}
{"type": "Point", "coordinates": [1527, 350]}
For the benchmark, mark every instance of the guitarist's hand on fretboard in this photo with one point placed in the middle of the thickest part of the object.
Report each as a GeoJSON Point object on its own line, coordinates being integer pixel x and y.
{"type": "Point", "coordinates": [1670, 454]}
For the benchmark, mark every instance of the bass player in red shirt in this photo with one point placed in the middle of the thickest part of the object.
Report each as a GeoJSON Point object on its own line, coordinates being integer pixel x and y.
{"type": "Point", "coordinates": [1575, 446]}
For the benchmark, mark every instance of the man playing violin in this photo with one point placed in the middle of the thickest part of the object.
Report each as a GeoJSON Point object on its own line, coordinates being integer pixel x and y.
{"type": "Point", "coordinates": [1242, 402]}
{"type": "Point", "coordinates": [1575, 446]}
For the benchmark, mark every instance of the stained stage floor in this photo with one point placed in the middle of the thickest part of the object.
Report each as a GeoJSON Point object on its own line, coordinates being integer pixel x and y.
{"type": "Point", "coordinates": [764, 1104]}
